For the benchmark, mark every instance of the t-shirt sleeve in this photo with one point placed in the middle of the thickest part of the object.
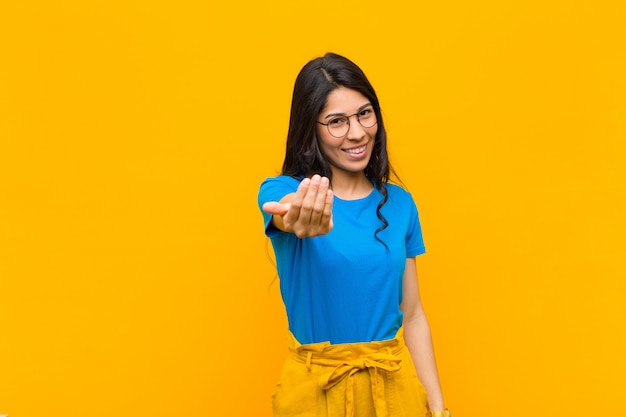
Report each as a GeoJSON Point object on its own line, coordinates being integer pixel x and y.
{"type": "Point", "coordinates": [273, 189]}
{"type": "Point", "coordinates": [414, 240]}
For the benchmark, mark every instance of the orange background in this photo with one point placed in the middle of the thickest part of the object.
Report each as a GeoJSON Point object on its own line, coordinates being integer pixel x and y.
{"type": "Point", "coordinates": [134, 274]}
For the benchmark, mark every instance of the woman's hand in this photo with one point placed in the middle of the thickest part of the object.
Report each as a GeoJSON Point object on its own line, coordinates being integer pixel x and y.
{"type": "Point", "coordinates": [306, 213]}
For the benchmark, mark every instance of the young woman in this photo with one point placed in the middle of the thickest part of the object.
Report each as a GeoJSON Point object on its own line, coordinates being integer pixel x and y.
{"type": "Point", "coordinates": [345, 241]}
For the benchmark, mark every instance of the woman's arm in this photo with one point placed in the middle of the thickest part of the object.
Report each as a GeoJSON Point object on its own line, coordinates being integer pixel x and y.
{"type": "Point", "coordinates": [307, 212]}
{"type": "Point", "coordinates": [418, 339]}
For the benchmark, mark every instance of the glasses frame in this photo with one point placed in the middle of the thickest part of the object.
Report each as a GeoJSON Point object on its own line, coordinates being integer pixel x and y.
{"type": "Point", "coordinates": [348, 120]}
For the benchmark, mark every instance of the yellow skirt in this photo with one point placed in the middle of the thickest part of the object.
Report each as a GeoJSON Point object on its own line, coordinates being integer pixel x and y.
{"type": "Point", "coordinates": [374, 379]}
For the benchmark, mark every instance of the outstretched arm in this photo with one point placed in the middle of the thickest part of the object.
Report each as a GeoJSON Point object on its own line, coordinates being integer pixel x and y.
{"type": "Point", "coordinates": [307, 212]}
{"type": "Point", "coordinates": [418, 339]}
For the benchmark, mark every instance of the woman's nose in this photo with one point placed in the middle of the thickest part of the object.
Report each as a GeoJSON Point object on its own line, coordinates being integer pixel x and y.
{"type": "Point", "coordinates": [355, 130]}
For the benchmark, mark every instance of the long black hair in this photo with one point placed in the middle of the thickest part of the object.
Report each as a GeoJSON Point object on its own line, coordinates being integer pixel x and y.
{"type": "Point", "coordinates": [303, 156]}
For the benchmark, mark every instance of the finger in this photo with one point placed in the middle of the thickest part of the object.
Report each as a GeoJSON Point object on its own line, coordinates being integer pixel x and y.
{"type": "Point", "coordinates": [327, 216]}
{"type": "Point", "coordinates": [273, 207]}
{"type": "Point", "coordinates": [320, 201]}
{"type": "Point", "coordinates": [294, 211]}
{"type": "Point", "coordinates": [309, 200]}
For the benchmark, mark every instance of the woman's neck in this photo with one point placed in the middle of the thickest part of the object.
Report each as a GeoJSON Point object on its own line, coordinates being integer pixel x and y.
{"type": "Point", "coordinates": [351, 186]}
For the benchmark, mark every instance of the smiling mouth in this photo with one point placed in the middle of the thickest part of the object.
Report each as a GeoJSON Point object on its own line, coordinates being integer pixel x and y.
{"type": "Point", "coordinates": [358, 150]}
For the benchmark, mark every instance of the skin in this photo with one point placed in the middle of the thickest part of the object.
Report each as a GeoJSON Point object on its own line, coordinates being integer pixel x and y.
{"type": "Point", "coordinates": [308, 213]}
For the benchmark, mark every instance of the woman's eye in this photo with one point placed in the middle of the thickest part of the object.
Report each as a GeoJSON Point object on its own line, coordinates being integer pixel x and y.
{"type": "Point", "coordinates": [338, 121]}
{"type": "Point", "coordinates": [365, 113]}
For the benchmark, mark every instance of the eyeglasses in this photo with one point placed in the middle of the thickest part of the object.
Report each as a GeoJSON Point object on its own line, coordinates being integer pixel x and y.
{"type": "Point", "coordinates": [339, 126]}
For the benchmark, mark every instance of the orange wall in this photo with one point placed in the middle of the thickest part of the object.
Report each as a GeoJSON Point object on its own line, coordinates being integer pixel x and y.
{"type": "Point", "coordinates": [134, 276]}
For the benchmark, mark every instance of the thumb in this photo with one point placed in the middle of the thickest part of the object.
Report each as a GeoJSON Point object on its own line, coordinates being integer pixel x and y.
{"type": "Point", "coordinates": [274, 207]}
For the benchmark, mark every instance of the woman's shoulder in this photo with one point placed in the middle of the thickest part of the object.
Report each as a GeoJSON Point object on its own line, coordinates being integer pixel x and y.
{"type": "Point", "coordinates": [397, 190]}
{"type": "Point", "coordinates": [399, 194]}
{"type": "Point", "coordinates": [280, 181]}
{"type": "Point", "coordinates": [275, 188]}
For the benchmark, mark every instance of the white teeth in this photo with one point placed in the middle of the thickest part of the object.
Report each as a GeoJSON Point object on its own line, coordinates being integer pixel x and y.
{"type": "Point", "coordinates": [356, 150]}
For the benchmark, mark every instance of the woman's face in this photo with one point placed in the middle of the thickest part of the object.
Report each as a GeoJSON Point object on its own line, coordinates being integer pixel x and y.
{"type": "Point", "coordinates": [352, 152]}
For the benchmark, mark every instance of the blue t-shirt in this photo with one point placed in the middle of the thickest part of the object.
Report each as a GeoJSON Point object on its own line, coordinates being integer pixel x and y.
{"type": "Point", "coordinates": [345, 286]}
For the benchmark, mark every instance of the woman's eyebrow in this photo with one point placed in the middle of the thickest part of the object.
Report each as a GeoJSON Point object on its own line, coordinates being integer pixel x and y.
{"type": "Point", "coordinates": [368, 104]}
